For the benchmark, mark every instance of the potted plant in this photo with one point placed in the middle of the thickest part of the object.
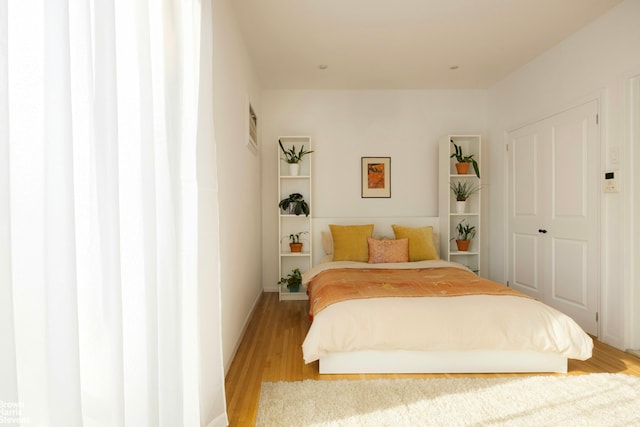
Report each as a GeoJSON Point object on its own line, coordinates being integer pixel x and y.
{"type": "Point", "coordinates": [464, 233]}
{"type": "Point", "coordinates": [293, 280]}
{"type": "Point", "coordinates": [294, 204]}
{"type": "Point", "coordinates": [293, 158]}
{"type": "Point", "coordinates": [294, 241]}
{"type": "Point", "coordinates": [462, 189]}
{"type": "Point", "coordinates": [463, 161]}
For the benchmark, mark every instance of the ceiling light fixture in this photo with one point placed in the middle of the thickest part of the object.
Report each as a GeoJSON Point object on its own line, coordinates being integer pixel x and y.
{"type": "Point", "coordinates": [323, 66]}
{"type": "Point", "coordinates": [454, 67]}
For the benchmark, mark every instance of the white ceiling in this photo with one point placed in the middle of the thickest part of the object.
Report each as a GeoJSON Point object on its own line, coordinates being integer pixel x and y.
{"type": "Point", "coordinates": [403, 44]}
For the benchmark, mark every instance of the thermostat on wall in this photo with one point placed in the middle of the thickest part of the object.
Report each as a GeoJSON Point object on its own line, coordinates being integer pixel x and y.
{"type": "Point", "coordinates": [611, 182]}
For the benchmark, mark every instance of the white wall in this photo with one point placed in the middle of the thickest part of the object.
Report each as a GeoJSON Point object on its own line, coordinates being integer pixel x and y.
{"type": "Point", "coordinates": [347, 125]}
{"type": "Point", "coordinates": [238, 178]}
{"type": "Point", "coordinates": [595, 62]}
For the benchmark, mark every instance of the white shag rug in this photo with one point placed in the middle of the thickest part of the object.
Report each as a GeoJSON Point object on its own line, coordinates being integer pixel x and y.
{"type": "Point", "coordinates": [576, 400]}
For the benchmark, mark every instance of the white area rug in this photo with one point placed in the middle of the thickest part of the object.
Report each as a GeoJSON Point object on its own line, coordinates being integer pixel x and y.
{"type": "Point", "coordinates": [582, 400]}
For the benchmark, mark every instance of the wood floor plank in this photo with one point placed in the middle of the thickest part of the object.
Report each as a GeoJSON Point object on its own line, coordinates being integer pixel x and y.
{"type": "Point", "coordinates": [271, 351]}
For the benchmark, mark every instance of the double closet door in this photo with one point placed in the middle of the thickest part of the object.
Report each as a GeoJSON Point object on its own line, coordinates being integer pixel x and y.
{"type": "Point", "coordinates": [553, 212]}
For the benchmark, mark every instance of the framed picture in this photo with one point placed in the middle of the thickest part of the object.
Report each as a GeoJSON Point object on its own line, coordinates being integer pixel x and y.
{"type": "Point", "coordinates": [376, 177]}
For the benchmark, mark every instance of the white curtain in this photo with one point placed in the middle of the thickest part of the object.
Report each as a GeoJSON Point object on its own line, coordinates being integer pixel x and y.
{"type": "Point", "coordinates": [109, 310]}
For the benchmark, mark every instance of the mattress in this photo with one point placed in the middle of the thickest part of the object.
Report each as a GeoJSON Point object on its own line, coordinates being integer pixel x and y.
{"type": "Point", "coordinates": [438, 323]}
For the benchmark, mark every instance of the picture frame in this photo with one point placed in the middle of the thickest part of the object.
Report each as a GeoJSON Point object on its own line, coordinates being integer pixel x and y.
{"type": "Point", "coordinates": [376, 177]}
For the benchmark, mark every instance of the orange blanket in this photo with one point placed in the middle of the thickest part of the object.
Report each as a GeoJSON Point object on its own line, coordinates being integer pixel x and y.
{"type": "Point", "coordinates": [332, 286]}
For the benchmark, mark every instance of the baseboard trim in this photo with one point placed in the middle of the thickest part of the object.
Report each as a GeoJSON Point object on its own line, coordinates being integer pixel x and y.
{"type": "Point", "coordinates": [245, 325]}
{"type": "Point", "coordinates": [635, 353]}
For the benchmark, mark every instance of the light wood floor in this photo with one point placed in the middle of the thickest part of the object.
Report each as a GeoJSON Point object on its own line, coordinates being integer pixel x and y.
{"type": "Point", "coordinates": [271, 351]}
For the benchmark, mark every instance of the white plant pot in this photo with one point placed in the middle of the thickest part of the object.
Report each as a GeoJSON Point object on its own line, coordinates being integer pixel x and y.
{"type": "Point", "coordinates": [461, 207]}
{"type": "Point", "coordinates": [294, 169]}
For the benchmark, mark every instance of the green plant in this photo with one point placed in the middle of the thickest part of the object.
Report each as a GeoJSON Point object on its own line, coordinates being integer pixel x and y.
{"type": "Point", "coordinates": [295, 237]}
{"type": "Point", "coordinates": [463, 189]}
{"type": "Point", "coordinates": [461, 158]}
{"type": "Point", "coordinates": [465, 231]}
{"type": "Point", "coordinates": [293, 280]}
{"type": "Point", "coordinates": [290, 155]}
{"type": "Point", "coordinates": [297, 201]}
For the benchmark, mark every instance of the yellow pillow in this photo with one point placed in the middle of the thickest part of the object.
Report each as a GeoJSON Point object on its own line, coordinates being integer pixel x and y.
{"type": "Point", "coordinates": [350, 242]}
{"type": "Point", "coordinates": [421, 245]}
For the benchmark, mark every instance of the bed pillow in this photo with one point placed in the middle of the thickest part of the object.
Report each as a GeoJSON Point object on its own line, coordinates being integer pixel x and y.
{"type": "Point", "coordinates": [388, 250]}
{"type": "Point", "coordinates": [327, 243]}
{"type": "Point", "coordinates": [350, 242]}
{"type": "Point", "coordinates": [421, 245]}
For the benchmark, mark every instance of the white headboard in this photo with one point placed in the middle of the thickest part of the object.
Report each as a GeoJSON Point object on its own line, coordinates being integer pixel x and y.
{"type": "Point", "coordinates": [381, 227]}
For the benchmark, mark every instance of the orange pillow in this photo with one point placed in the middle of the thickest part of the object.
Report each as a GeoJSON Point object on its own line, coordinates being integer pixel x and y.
{"type": "Point", "coordinates": [388, 250]}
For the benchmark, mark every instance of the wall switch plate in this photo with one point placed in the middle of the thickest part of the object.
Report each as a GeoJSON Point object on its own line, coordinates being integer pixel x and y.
{"type": "Point", "coordinates": [611, 182]}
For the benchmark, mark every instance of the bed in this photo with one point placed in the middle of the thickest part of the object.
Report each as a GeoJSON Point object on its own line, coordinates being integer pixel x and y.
{"type": "Point", "coordinates": [465, 325]}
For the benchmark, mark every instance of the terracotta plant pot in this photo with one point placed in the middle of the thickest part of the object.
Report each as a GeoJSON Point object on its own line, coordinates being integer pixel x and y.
{"type": "Point", "coordinates": [463, 168]}
{"type": "Point", "coordinates": [463, 245]}
{"type": "Point", "coordinates": [295, 247]}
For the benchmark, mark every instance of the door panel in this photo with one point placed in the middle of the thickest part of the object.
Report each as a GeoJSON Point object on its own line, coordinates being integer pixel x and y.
{"type": "Point", "coordinates": [525, 177]}
{"type": "Point", "coordinates": [569, 279]}
{"type": "Point", "coordinates": [569, 151]}
{"type": "Point", "coordinates": [524, 211]}
{"type": "Point", "coordinates": [554, 203]}
{"type": "Point", "coordinates": [574, 221]}
{"type": "Point", "coordinates": [525, 274]}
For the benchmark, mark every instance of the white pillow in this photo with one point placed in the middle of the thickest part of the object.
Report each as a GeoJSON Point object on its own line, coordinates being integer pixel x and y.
{"type": "Point", "coordinates": [327, 243]}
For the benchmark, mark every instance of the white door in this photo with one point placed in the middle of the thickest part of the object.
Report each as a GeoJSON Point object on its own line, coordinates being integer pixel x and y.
{"type": "Point", "coordinates": [553, 220]}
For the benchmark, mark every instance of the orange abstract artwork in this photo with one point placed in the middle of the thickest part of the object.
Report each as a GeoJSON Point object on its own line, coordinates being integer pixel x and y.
{"type": "Point", "coordinates": [375, 175]}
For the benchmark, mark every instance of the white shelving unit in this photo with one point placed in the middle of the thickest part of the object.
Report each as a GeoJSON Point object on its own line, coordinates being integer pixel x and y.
{"type": "Point", "coordinates": [290, 223]}
{"type": "Point", "coordinates": [449, 218]}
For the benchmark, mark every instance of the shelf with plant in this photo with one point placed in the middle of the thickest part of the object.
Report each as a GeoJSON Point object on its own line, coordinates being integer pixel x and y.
{"type": "Point", "coordinates": [462, 191]}
{"type": "Point", "coordinates": [296, 244]}
{"type": "Point", "coordinates": [464, 232]}
{"type": "Point", "coordinates": [464, 161]}
{"type": "Point", "coordinates": [460, 197]}
{"type": "Point", "coordinates": [292, 281]}
{"type": "Point", "coordinates": [293, 157]}
{"type": "Point", "coordinates": [294, 204]}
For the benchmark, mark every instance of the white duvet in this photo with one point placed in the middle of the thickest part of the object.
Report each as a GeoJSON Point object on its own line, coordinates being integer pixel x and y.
{"type": "Point", "coordinates": [476, 322]}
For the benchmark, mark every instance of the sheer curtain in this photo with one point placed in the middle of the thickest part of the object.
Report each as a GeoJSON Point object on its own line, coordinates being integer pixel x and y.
{"type": "Point", "coordinates": [109, 309]}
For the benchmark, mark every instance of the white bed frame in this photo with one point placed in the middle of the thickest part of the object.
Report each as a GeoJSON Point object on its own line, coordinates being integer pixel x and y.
{"type": "Point", "coordinates": [405, 362]}
{"type": "Point", "coordinates": [440, 362]}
